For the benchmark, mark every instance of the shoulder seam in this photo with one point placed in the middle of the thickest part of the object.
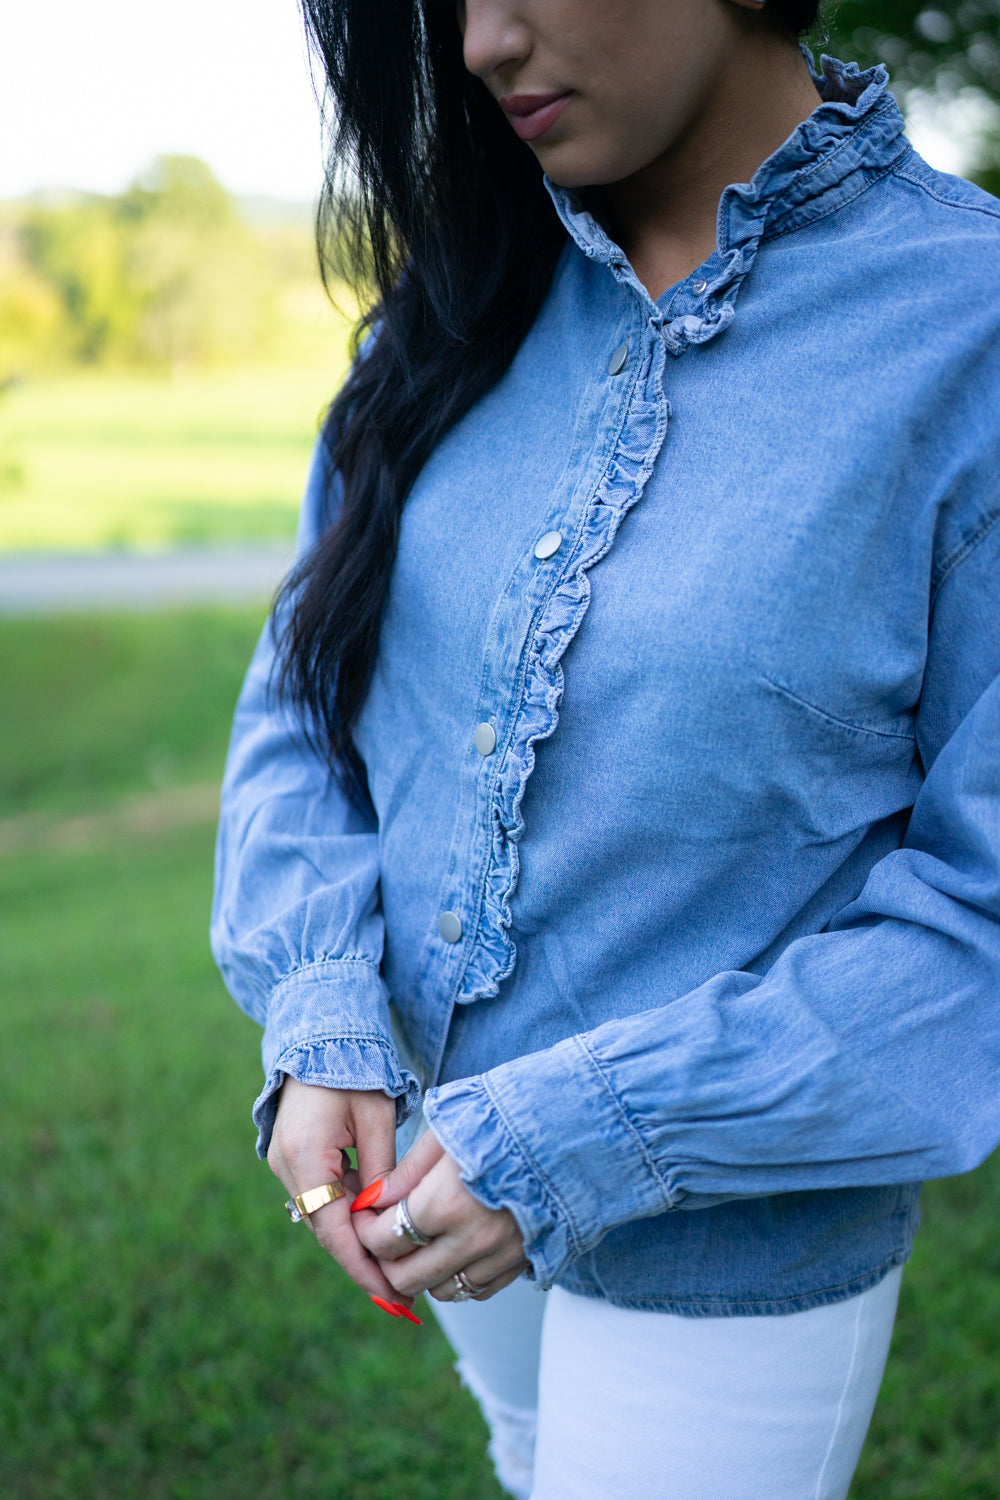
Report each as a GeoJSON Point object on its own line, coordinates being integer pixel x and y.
{"type": "Point", "coordinates": [948, 202]}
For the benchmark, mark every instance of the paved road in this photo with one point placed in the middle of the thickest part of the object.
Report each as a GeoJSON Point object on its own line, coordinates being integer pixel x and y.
{"type": "Point", "coordinates": [51, 583]}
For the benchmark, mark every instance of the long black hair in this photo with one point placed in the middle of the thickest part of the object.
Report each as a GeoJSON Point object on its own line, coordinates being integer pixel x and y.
{"type": "Point", "coordinates": [437, 214]}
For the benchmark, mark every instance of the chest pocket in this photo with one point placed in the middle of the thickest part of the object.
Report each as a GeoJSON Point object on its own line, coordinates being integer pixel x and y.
{"type": "Point", "coordinates": [835, 777]}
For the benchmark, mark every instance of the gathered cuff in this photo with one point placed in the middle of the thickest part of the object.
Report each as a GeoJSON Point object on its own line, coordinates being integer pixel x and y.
{"type": "Point", "coordinates": [365, 1063]}
{"type": "Point", "coordinates": [465, 1119]}
{"type": "Point", "coordinates": [545, 1137]}
{"type": "Point", "coordinates": [328, 1025]}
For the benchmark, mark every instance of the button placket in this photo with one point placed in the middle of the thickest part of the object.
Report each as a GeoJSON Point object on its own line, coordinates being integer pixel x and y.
{"type": "Point", "coordinates": [459, 929]}
{"type": "Point", "coordinates": [450, 926]}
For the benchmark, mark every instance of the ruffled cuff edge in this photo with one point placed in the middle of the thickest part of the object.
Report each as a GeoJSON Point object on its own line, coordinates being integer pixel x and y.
{"type": "Point", "coordinates": [495, 1167]}
{"type": "Point", "coordinates": [328, 1024]}
{"type": "Point", "coordinates": [345, 1062]}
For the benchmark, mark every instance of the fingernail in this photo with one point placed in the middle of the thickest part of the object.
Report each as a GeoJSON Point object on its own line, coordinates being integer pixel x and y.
{"type": "Point", "coordinates": [404, 1312]}
{"type": "Point", "coordinates": [367, 1196]}
{"type": "Point", "coordinates": [385, 1306]}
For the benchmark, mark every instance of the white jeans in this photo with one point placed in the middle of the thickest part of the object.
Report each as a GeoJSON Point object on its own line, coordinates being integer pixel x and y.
{"type": "Point", "coordinates": [586, 1401]}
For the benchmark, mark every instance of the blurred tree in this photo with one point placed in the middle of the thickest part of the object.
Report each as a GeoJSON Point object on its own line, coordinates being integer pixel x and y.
{"type": "Point", "coordinates": [929, 46]}
{"type": "Point", "coordinates": [11, 467]}
{"type": "Point", "coordinates": [77, 248]}
{"type": "Point", "coordinates": [196, 268]}
{"type": "Point", "coordinates": [31, 312]}
{"type": "Point", "coordinates": [925, 44]}
{"type": "Point", "coordinates": [987, 170]}
{"type": "Point", "coordinates": [167, 273]}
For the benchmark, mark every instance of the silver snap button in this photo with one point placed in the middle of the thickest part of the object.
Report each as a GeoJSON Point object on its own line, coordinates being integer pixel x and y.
{"type": "Point", "coordinates": [548, 544]}
{"type": "Point", "coordinates": [450, 926]}
{"type": "Point", "coordinates": [699, 286]}
{"type": "Point", "coordinates": [485, 739]}
{"type": "Point", "coordinates": [616, 363]}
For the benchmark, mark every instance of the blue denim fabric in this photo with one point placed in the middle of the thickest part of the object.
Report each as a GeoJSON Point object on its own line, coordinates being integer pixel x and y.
{"type": "Point", "coordinates": [729, 884]}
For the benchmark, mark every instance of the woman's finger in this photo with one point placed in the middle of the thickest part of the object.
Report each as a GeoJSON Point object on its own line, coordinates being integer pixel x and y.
{"type": "Point", "coordinates": [437, 1203]}
{"type": "Point", "coordinates": [313, 1129]}
{"type": "Point", "coordinates": [489, 1269]}
{"type": "Point", "coordinates": [499, 1282]}
{"type": "Point", "coordinates": [399, 1183]}
{"type": "Point", "coordinates": [377, 1232]}
{"type": "Point", "coordinates": [495, 1243]}
{"type": "Point", "coordinates": [446, 1291]}
{"type": "Point", "coordinates": [323, 1162]}
{"type": "Point", "coordinates": [374, 1117]}
{"type": "Point", "coordinates": [333, 1229]}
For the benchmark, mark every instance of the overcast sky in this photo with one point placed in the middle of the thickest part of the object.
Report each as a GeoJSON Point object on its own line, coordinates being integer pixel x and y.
{"type": "Point", "coordinates": [90, 90]}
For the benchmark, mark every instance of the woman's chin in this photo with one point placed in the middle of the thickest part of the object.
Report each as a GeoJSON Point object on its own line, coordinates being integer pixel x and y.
{"type": "Point", "coordinates": [566, 168]}
{"type": "Point", "coordinates": [571, 164]}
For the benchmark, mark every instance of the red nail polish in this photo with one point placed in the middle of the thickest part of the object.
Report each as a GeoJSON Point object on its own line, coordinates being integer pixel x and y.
{"type": "Point", "coordinates": [404, 1312]}
{"type": "Point", "coordinates": [385, 1306]}
{"type": "Point", "coordinates": [367, 1196]}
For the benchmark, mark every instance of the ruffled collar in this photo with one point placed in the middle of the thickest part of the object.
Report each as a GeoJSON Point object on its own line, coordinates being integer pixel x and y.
{"type": "Point", "coordinates": [851, 137]}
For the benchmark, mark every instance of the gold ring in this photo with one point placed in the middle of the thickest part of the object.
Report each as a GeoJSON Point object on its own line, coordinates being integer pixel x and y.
{"type": "Point", "coordinates": [303, 1204]}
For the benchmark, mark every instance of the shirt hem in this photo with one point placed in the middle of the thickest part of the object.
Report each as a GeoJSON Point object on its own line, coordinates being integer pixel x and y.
{"type": "Point", "coordinates": [721, 1307]}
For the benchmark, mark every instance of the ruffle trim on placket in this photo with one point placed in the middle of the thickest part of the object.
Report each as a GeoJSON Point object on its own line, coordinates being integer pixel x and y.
{"type": "Point", "coordinates": [494, 954]}
{"type": "Point", "coordinates": [812, 165]}
{"type": "Point", "coordinates": [720, 298]}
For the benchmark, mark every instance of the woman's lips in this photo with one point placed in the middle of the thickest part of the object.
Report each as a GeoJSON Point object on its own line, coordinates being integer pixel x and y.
{"type": "Point", "coordinates": [532, 114]}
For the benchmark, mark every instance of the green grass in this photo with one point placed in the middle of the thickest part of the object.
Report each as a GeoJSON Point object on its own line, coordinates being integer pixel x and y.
{"type": "Point", "coordinates": [165, 1332]}
{"type": "Point", "coordinates": [96, 460]}
{"type": "Point", "coordinates": [95, 708]}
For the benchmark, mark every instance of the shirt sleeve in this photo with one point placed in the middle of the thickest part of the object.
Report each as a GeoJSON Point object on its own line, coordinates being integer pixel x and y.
{"type": "Point", "coordinates": [297, 927]}
{"type": "Point", "coordinates": [868, 1054]}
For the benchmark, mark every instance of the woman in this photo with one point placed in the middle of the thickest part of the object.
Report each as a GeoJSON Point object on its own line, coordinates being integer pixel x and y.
{"type": "Point", "coordinates": [633, 795]}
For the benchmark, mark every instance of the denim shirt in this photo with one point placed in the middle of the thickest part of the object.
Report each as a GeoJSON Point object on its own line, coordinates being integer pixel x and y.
{"type": "Point", "coordinates": [677, 901]}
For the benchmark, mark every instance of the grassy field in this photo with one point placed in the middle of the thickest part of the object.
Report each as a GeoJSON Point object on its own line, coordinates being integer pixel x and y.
{"type": "Point", "coordinates": [99, 709]}
{"type": "Point", "coordinates": [166, 1333]}
{"type": "Point", "coordinates": [96, 460]}
{"type": "Point", "coordinates": [165, 1330]}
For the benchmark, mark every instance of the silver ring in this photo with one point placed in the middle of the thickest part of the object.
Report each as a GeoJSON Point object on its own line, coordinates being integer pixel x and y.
{"type": "Point", "coordinates": [464, 1288]}
{"type": "Point", "coordinates": [404, 1226]}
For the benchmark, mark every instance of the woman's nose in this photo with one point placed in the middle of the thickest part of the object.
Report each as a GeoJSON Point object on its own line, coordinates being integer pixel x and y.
{"type": "Point", "coordinates": [493, 36]}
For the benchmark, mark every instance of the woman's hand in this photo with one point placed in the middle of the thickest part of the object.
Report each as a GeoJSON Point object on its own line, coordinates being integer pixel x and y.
{"type": "Point", "coordinates": [312, 1130]}
{"type": "Point", "coordinates": [485, 1243]}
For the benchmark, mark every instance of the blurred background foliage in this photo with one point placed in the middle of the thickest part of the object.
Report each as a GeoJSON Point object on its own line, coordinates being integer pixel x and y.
{"type": "Point", "coordinates": [925, 45]}
{"type": "Point", "coordinates": [170, 273]}
{"type": "Point", "coordinates": [941, 50]}
{"type": "Point", "coordinates": [165, 356]}
{"type": "Point", "coordinates": [933, 51]}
